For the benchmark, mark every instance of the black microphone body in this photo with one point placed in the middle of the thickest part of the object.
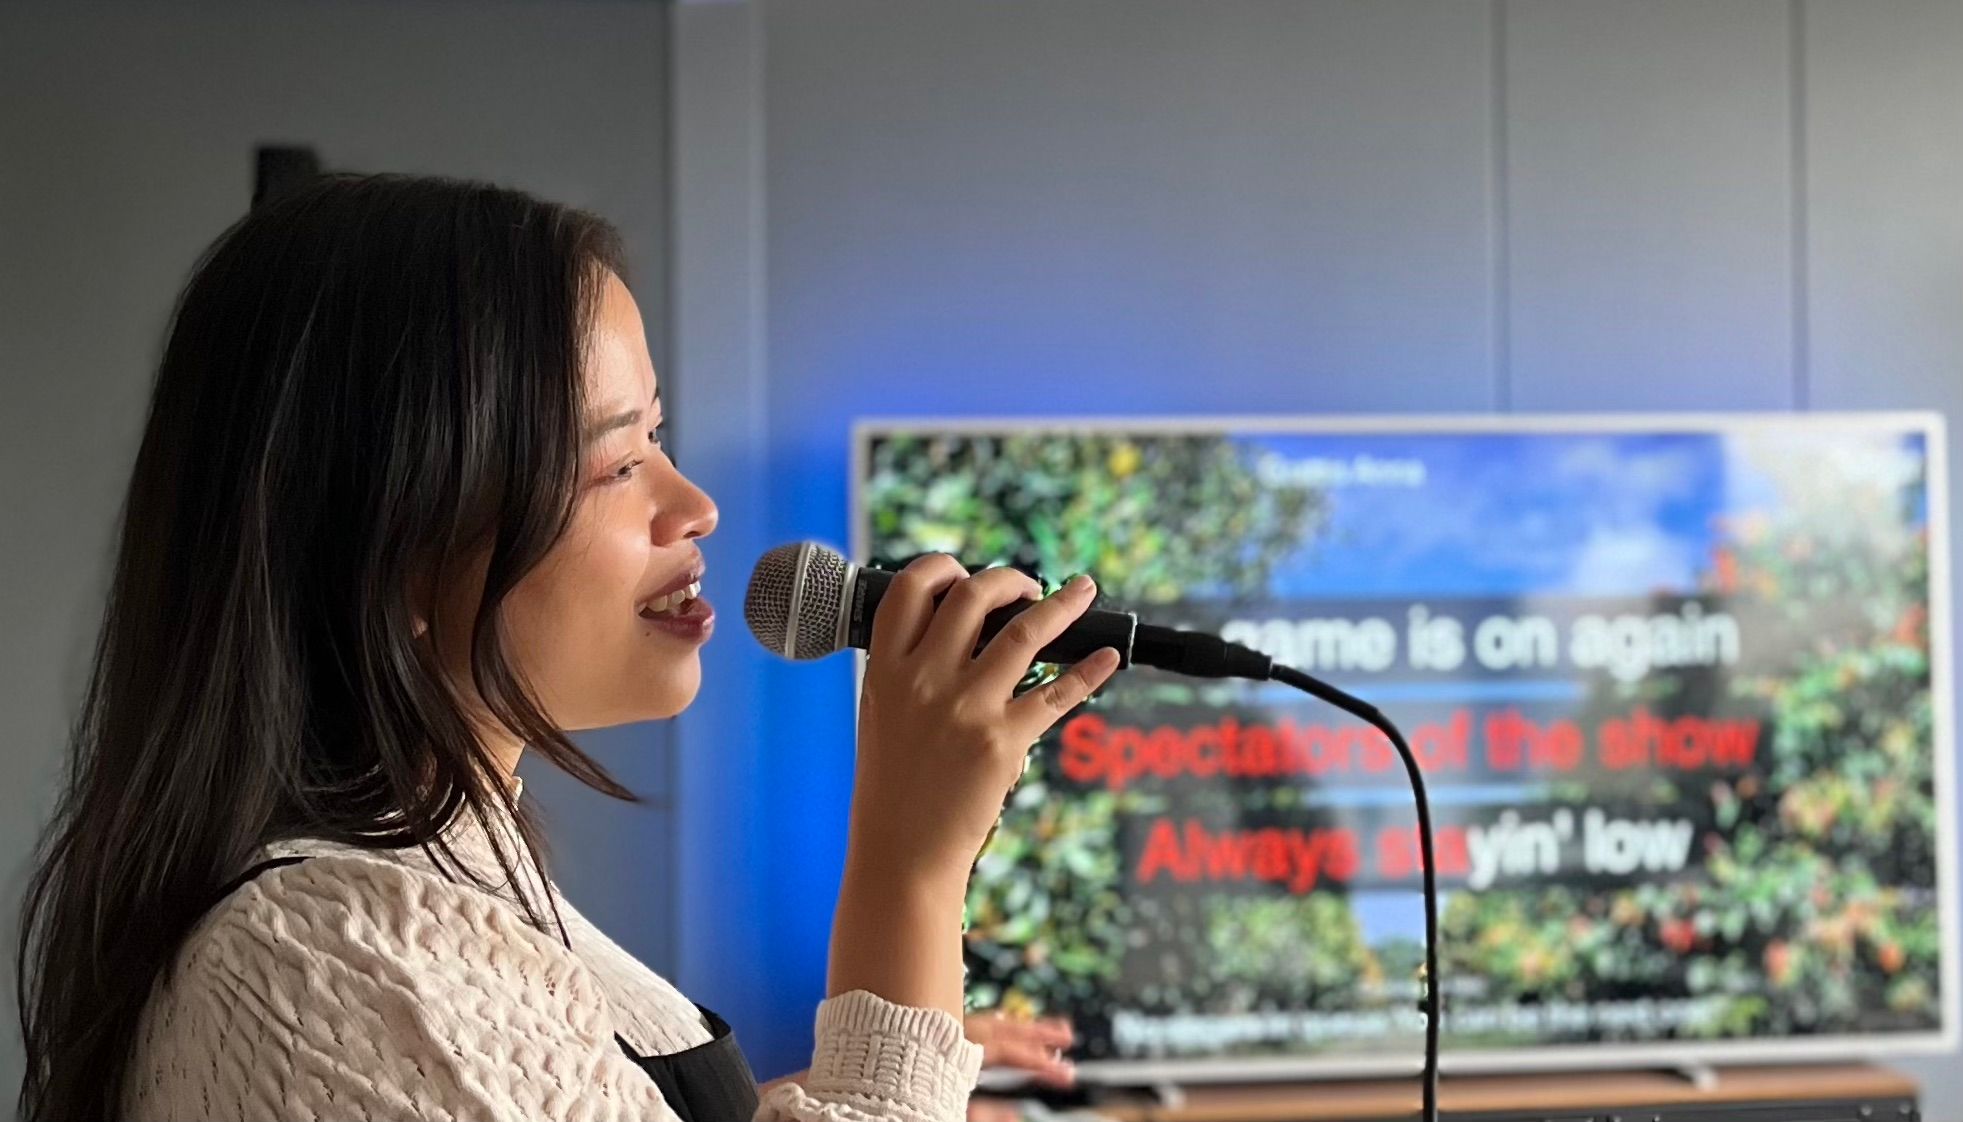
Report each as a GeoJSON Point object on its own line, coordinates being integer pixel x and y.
{"type": "Point", "coordinates": [806, 601]}
{"type": "Point", "coordinates": [1092, 631]}
{"type": "Point", "coordinates": [1192, 653]}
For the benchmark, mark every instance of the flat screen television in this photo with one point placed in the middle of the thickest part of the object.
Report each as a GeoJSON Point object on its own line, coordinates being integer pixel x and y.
{"type": "Point", "coordinates": [1680, 687]}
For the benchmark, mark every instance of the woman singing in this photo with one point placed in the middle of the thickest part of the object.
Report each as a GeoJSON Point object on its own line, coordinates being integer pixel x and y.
{"type": "Point", "coordinates": [401, 513]}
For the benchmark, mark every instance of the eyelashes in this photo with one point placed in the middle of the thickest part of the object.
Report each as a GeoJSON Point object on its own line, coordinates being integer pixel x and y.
{"type": "Point", "coordinates": [626, 471]}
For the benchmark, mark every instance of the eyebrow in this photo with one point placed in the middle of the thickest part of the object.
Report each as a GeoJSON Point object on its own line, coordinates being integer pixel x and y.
{"type": "Point", "coordinates": [618, 421]}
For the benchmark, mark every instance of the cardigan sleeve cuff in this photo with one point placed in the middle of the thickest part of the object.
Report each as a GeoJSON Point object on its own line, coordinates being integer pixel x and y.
{"type": "Point", "coordinates": [893, 1060]}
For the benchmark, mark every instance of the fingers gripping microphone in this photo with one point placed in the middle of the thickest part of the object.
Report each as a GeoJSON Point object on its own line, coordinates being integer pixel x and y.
{"type": "Point", "coordinates": [806, 601]}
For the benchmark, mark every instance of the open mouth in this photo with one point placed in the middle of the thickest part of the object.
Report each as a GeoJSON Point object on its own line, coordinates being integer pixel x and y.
{"type": "Point", "coordinates": [674, 604]}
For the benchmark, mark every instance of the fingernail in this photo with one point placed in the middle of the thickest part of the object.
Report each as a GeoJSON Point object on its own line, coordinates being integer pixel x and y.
{"type": "Point", "coordinates": [1079, 583]}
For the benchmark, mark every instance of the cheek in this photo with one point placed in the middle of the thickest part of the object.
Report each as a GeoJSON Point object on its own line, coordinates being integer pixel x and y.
{"type": "Point", "coordinates": [572, 626]}
{"type": "Point", "coordinates": [581, 595]}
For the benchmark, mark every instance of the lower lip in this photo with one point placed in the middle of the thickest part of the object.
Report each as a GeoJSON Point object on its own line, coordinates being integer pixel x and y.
{"type": "Point", "coordinates": [693, 623]}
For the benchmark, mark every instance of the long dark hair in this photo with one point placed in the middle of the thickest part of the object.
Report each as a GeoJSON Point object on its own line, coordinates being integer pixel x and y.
{"type": "Point", "coordinates": [368, 383]}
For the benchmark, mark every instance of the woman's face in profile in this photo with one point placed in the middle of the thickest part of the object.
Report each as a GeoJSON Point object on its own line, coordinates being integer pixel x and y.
{"type": "Point", "coordinates": [585, 627]}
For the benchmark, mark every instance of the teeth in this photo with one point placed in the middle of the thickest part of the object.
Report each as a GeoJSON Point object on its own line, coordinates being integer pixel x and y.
{"type": "Point", "coordinates": [673, 600]}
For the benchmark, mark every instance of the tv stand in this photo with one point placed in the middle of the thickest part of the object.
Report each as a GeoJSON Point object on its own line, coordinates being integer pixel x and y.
{"type": "Point", "coordinates": [1703, 1077]}
{"type": "Point", "coordinates": [1688, 1093]}
{"type": "Point", "coordinates": [1171, 1096]}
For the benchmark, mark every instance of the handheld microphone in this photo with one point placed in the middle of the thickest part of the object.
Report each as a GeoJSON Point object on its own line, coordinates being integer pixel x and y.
{"type": "Point", "coordinates": [806, 600]}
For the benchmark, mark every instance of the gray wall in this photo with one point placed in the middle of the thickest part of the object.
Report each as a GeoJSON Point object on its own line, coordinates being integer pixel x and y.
{"type": "Point", "coordinates": [126, 134]}
{"type": "Point", "coordinates": [1299, 206]}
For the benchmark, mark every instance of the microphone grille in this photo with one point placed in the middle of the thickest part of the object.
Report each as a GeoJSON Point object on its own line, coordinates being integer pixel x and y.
{"type": "Point", "coordinates": [794, 595]}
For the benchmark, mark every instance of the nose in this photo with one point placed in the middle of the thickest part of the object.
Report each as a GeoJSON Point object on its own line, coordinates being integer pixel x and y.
{"type": "Point", "coordinates": [684, 510]}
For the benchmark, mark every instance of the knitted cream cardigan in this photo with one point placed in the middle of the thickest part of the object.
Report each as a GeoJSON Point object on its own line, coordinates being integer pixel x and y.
{"type": "Point", "coordinates": [366, 984]}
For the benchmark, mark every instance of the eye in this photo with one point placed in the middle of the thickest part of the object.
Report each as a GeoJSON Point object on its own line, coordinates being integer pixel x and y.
{"type": "Point", "coordinates": [621, 474]}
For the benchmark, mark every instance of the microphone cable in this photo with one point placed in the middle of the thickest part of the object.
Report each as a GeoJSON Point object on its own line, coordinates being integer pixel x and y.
{"type": "Point", "coordinates": [1357, 707]}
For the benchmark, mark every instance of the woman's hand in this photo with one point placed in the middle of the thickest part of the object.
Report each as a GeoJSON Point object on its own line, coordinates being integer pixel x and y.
{"type": "Point", "coordinates": [941, 735]}
{"type": "Point", "coordinates": [942, 738]}
{"type": "Point", "coordinates": [1032, 1046]}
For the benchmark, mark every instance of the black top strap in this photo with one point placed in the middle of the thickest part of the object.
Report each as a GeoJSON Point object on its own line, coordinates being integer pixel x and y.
{"type": "Point", "coordinates": [710, 1082]}
{"type": "Point", "coordinates": [246, 877]}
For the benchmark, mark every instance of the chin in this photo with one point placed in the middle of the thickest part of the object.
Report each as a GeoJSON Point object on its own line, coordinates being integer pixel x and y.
{"type": "Point", "coordinates": [652, 696]}
{"type": "Point", "coordinates": [678, 689]}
